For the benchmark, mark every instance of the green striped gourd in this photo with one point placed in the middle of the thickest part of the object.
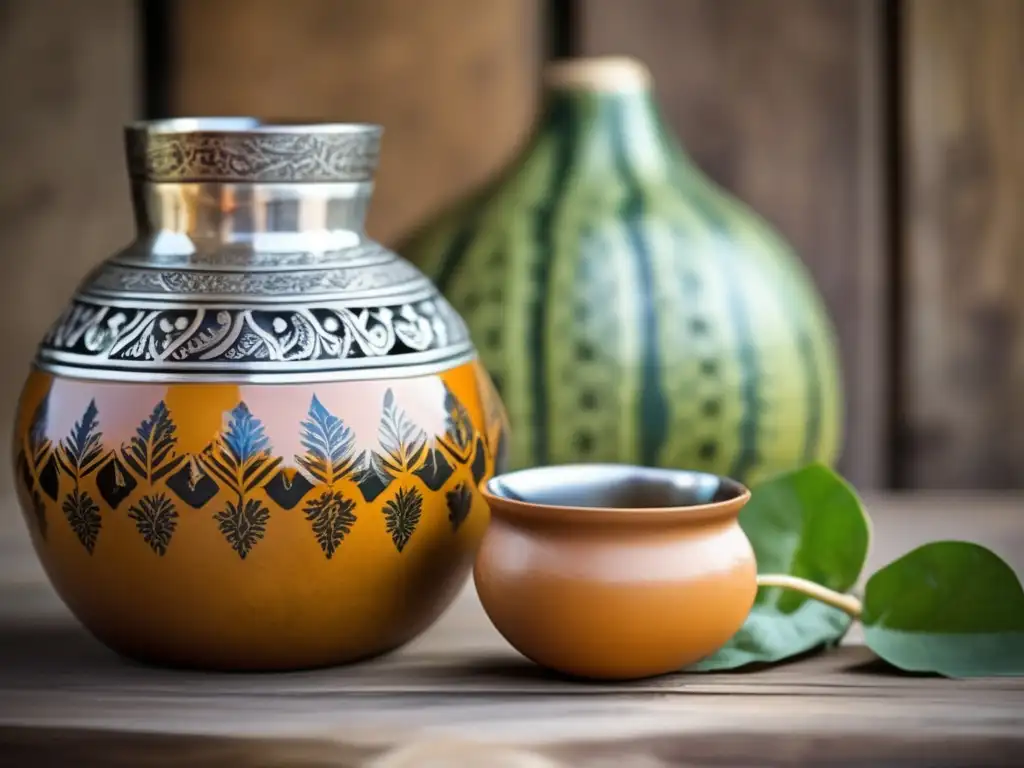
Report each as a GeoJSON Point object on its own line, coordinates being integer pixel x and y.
{"type": "Point", "coordinates": [628, 309]}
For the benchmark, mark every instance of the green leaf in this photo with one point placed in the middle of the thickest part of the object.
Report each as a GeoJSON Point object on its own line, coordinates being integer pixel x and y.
{"type": "Point", "coordinates": [949, 607]}
{"type": "Point", "coordinates": [807, 523]}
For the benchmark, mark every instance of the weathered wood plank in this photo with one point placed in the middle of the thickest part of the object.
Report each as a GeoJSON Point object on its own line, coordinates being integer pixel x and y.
{"type": "Point", "coordinates": [599, 731]}
{"type": "Point", "coordinates": [67, 85]}
{"type": "Point", "coordinates": [963, 146]}
{"type": "Point", "coordinates": [452, 81]}
{"type": "Point", "coordinates": [782, 104]}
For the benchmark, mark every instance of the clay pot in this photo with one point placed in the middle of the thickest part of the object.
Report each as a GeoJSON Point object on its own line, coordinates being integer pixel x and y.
{"type": "Point", "coordinates": [254, 437]}
{"type": "Point", "coordinates": [615, 572]}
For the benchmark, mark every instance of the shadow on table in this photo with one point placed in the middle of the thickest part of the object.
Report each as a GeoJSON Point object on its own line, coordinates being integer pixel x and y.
{"type": "Point", "coordinates": [51, 648]}
{"type": "Point", "coordinates": [876, 666]}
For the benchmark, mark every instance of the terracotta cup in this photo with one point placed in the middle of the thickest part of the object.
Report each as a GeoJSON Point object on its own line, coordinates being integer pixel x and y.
{"type": "Point", "coordinates": [618, 572]}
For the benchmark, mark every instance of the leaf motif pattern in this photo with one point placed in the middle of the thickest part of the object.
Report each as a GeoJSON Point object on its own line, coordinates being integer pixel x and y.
{"type": "Point", "coordinates": [243, 524]}
{"type": "Point", "coordinates": [460, 501]}
{"type": "Point", "coordinates": [403, 441]}
{"type": "Point", "coordinates": [39, 445]}
{"type": "Point", "coordinates": [150, 454]}
{"type": "Point", "coordinates": [372, 476]}
{"type": "Point", "coordinates": [80, 454]}
{"type": "Point", "coordinates": [242, 459]}
{"type": "Point", "coordinates": [82, 451]}
{"type": "Point", "coordinates": [241, 456]}
{"type": "Point", "coordinates": [155, 518]}
{"type": "Point", "coordinates": [37, 449]}
{"type": "Point", "coordinates": [458, 426]}
{"type": "Point", "coordinates": [330, 445]}
{"type": "Point", "coordinates": [403, 515]}
{"type": "Point", "coordinates": [84, 517]}
{"type": "Point", "coordinates": [332, 517]}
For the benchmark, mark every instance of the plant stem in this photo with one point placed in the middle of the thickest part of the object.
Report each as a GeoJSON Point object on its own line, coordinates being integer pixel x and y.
{"type": "Point", "coordinates": [846, 603]}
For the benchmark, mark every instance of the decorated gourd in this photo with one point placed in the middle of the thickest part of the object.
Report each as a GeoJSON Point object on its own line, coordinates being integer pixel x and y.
{"type": "Point", "coordinates": [626, 307]}
{"type": "Point", "coordinates": [253, 439]}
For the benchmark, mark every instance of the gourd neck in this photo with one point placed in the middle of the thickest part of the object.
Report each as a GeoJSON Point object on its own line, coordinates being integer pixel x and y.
{"type": "Point", "coordinates": [605, 109]}
{"type": "Point", "coordinates": [178, 218]}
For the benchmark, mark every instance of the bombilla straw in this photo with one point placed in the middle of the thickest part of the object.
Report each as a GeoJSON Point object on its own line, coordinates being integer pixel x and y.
{"type": "Point", "coordinates": [846, 603]}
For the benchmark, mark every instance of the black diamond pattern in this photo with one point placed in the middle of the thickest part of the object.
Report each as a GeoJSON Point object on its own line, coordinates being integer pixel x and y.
{"type": "Point", "coordinates": [460, 500]}
{"type": "Point", "coordinates": [114, 482]}
{"type": "Point", "coordinates": [192, 485]}
{"type": "Point", "coordinates": [435, 470]}
{"type": "Point", "coordinates": [479, 467]}
{"type": "Point", "coordinates": [49, 478]}
{"type": "Point", "coordinates": [373, 477]}
{"type": "Point", "coordinates": [287, 488]}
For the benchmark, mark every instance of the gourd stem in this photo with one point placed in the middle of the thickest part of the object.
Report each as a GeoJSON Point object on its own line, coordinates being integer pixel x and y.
{"type": "Point", "coordinates": [846, 603]}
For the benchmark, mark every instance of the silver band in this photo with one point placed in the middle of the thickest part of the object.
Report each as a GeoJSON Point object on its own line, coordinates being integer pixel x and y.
{"type": "Point", "coordinates": [274, 375]}
{"type": "Point", "coordinates": [238, 340]}
{"type": "Point", "coordinates": [244, 149]}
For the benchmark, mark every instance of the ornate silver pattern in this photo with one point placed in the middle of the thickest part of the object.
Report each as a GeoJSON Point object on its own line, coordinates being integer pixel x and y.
{"type": "Point", "coordinates": [252, 264]}
{"type": "Point", "coordinates": [262, 157]}
{"type": "Point", "coordinates": [233, 339]}
{"type": "Point", "coordinates": [245, 258]}
{"type": "Point", "coordinates": [382, 278]}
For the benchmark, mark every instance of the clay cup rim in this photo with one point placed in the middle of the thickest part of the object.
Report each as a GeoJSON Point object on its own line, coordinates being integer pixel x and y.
{"type": "Point", "coordinates": [614, 494]}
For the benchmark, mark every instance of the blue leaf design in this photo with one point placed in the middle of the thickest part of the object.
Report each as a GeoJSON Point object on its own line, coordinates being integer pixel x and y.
{"type": "Point", "coordinates": [245, 436]}
{"type": "Point", "coordinates": [242, 458]}
{"type": "Point", "coordinates": [330, 444]}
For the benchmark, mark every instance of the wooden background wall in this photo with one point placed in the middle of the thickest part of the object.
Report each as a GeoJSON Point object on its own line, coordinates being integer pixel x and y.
{"type": "Point", "coordinates": [883, 138]}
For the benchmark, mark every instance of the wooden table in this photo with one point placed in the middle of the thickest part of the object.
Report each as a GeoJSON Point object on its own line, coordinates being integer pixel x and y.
{"type": "Point", "coordinates": [460, 696]}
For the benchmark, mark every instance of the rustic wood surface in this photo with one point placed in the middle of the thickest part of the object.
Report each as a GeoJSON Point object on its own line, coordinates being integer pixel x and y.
{"type": "Point", "coordinates": [452, 81]}
{"type": "Point", "coordinates": [68, 83]}
{"type": "Point", "coordinates": [963, 146]}
{"type": "Point", "coordinates": [459, 690]}
{"type": "Point", "coordinates": [782, 103]}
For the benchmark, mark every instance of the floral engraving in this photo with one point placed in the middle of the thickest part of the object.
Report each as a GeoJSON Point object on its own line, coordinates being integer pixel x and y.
{"type": "Point", "coordinates": [209, 335]}
{"type": "Point", "coordinates": [263, 157]}
{"type": "Point", "coordinates": [339, 279]}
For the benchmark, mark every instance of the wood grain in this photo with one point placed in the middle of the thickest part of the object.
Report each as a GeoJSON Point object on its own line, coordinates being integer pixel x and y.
{"type": "Point", "coordinates": [781, 103]}
{"type": "Point", "coordinates": [452, 81]}
{"type": "Point", "coordinates": [67, 85]}
{"type": "Point", "coordinates": [963, 146]}
{"type": "Point", "coordinates": [460, 696]}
